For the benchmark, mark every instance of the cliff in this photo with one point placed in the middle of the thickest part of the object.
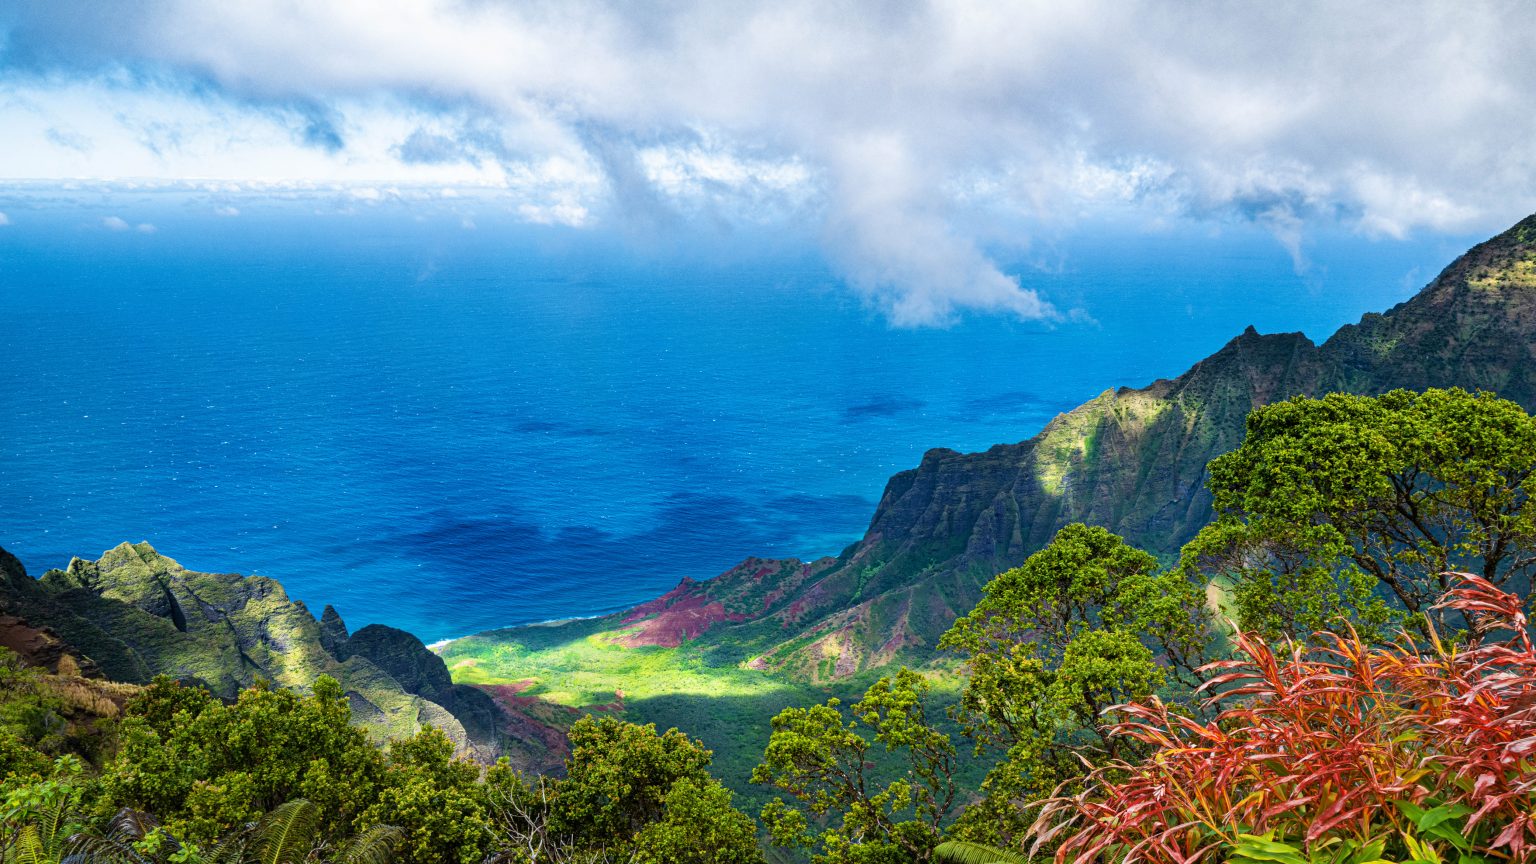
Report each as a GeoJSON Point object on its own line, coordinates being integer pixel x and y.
{"type": "Point", "coordinates": [1132, 460]}
{"type": "Point", "coordinates": [134, 614]}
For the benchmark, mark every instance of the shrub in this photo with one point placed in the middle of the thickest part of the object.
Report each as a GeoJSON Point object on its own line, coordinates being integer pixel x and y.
{"type": "Point", "coordinates": [1341, 752]}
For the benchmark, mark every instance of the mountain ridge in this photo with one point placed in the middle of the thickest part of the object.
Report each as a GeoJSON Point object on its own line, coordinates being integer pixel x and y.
{"type": "Point", "coordinates": [134, 614]}
{"type": "Point", "coordinates": [1131, 459]}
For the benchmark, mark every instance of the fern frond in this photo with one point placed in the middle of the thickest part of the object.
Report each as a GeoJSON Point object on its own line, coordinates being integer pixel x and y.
{"type": "Point", "coordinates": [94, 849]}
{"type": "Point", "coordinates": [963, 852]}
{"type": "Point", "coordinates": [285, 835]}
{"type": "Point", "coordinates": [374, 846]}
{"type": "Point", "coordinates": [50, 828]}
{"type": "Point", "coordinates": [28, 848]}
{"type": "Point", "coordinates": [131, 826]}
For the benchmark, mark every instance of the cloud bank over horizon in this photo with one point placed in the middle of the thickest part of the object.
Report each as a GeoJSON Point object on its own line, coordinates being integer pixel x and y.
{"type": "Point", "coordinates": [915, 137]}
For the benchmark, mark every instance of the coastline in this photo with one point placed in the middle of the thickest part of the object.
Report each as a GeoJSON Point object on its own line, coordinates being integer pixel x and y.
{"type": "Point", "coordinates": [436, 647]}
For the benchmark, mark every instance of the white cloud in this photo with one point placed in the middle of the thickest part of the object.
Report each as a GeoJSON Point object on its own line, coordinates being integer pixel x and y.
{"type": "Point", "coordinates": [226, 211]}
{"type": "Point", "coordinates": [115, 223]}
{"type": "Point", "coordinates": [145, 228]}
{"type": "Point", "coordinates": [4, 220]}
{"type": "Point", "coordinates": [915, 133]}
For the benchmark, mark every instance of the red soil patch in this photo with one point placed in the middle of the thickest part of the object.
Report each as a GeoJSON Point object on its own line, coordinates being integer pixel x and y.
{"type": "Point", "coordinates": [675, 617]}
{"type": "Point", "coordinates": [530, 718]}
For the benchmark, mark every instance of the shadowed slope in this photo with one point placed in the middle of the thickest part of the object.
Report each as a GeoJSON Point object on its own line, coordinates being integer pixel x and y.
{"type": "Point", "coordinates": [1132, 460]}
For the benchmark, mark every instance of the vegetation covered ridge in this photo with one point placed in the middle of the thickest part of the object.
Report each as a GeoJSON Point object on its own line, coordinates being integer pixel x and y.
{"type": "Point", "coordinates": [1337, 668]}
{"type": "Point", "coordinates": [134, 614]}
{"type": "Point", "coordinates": [1132, 460]}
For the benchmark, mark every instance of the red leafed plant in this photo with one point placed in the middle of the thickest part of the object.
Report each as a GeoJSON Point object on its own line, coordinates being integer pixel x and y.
{"type": "Point", "coordinates": [1341, 753]}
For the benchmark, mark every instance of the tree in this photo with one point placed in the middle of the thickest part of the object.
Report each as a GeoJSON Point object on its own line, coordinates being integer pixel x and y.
{"type": "Point", "coordinates": [1085, 623]}
{"type": "Point", "coordinates": [205, 768]}
{"type": "Point", "coordinates": [698, 826]}
{"type": "Point", "coordinates": [823, 759]}
{"type": "Point", "coordinates": [630, 794]}
{"type": "Point", "coordinates": [619, 775]}
{"type": "Point", "coordinates": [435, 800]}
{"type": "Point", "coordinates": [1356, 507]}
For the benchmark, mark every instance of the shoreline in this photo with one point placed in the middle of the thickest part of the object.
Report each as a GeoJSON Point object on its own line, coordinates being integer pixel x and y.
{"type": "Point", "coordinates": [434, 647]}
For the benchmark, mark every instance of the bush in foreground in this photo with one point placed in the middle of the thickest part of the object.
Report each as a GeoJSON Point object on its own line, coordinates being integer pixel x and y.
{"type": "Point", "coordinates": [1344, 752]}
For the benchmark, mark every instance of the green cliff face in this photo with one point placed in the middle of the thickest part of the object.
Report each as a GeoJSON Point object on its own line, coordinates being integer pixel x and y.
{"type": "Point", "coordinates": [134, 614]}
{"type": "Point", "coordinates": [1132, 460]}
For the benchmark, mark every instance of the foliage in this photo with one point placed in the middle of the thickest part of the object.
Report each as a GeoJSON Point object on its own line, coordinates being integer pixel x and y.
{"type": "Point", "coordinates": [212, 771]}
{"type": "Point", "coordinates": [1339, 752]}
{"type": "Point", "coordinates": [822, 758]}
{"type": "Point", "coordinates": [630, 793]}
{"type": "Point", "coordinates": [206, 768]}
{"type": "Point", "coordinates": [1086, 623]}
{"type": "Point", "coordinates": [618, 776]}
{"type": "Point", "coordinates": [434, 799]}
{"type": "Point", "coordinates": [38, 817]}
{"type": "Point", "coordinates": [964, 852]}
{"type": "Point", "coordinates": [46, 716]}
{"type": "Point", "coordinates": [1357, 506]}
{"type": "Point", "coordinates": [698, 826]}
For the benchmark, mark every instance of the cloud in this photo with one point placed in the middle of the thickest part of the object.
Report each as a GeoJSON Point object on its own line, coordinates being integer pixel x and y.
{"type": "Point", "coordinates": [4, 220]}
{"type": "Point", "coordinates": [67, 139]}
{"type": "Point", "coordinates": [918, 136]}
{"type": "Point", "coordinates": [118, 223]}
{"type": "Point", "coordinates": [226, 211]}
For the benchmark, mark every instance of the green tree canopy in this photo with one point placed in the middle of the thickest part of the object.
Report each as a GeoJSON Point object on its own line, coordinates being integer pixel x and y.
{"type": "Point", "coordinates": [1357, 506]}
{"type": "Point", "coordinates": [618, 776]}
{"type": "Point", "coordinates": [1085, 623]}
{"type": "Point", "coordinates": [823, 758]}
{"type": "Point", "coordinates": [204, 768]}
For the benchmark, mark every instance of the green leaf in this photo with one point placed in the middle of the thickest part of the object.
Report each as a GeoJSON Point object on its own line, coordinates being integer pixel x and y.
{"type": "Point", "coordinates": [1254, 848]}
{"type": "Point", "coordinates": [286, 834]}
{"type": "Point", "coordinates": [374, 846]}
{"type": "Point", "coordinates": [1430, 818]}
{"type": "Point", "coordinates": [962, 852]}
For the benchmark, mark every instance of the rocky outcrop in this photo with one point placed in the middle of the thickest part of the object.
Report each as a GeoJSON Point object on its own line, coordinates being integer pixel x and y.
{"type": "Point", "coordinates": [333, 631]}
{"type": "Point", "coordinates": [418, 671]}
{"type": "Point", "coordinates": [134, 614]}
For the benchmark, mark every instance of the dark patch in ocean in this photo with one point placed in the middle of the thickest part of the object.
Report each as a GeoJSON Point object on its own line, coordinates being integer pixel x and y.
{"type": "Point", "coordinates": [550, 427]}
{"type": "Point", "coordinates": [694, 535]}
{"type": "Point", "coordinates": [883, 406]}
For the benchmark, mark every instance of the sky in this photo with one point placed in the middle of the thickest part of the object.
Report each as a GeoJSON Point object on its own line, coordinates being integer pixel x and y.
{"type": "Point", "coordinates": [920, 143]}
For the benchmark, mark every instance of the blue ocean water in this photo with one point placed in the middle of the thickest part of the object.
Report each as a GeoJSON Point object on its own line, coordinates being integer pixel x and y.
{"type": "Point", "coordinates": [449, 430]}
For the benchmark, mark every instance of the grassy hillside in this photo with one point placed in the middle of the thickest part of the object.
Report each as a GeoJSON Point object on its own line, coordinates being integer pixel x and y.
{"type": "Point", "coordinates": [769, 632]}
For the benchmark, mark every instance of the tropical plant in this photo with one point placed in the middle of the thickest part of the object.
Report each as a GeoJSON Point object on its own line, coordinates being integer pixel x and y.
{"type": "Point", "coordinates": [437, 801]}
{"type": "Point", "coordinates": [630, 794]}
{"type": "Point", "coordinates": [1085, 623]}
{"type": "Point", "coordinates": [1341, 752]}
{"type": "Point", "coordinates": [824, 759]}
{"type": "Point", "coordinates": [37, 818]}
{"type": "Point", "coordinates": [1357, 506]}
{"type": "Point", "coordinates": [966, 852]}
{"type": "Point", "coordinates": [289, 834]}
{"type": "Point", "coordinates": [38, 839]}
{"type": "Point", "coordinates": [206, 768]}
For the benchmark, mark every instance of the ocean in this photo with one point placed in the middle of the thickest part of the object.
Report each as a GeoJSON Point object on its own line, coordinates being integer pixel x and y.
{"type": "Point", "coordinates": [449, 424]}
